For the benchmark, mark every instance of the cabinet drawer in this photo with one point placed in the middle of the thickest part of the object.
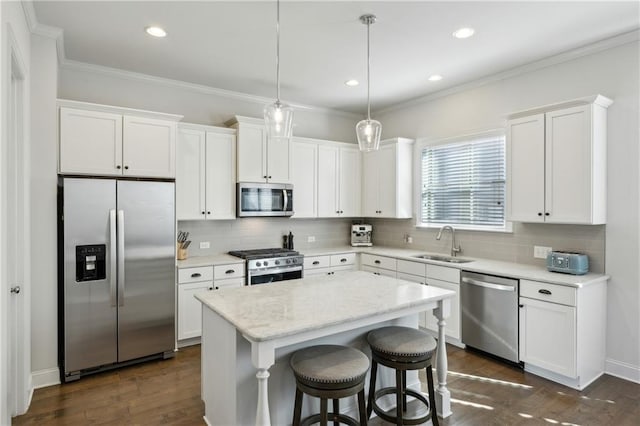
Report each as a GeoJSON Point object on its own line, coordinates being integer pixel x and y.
{"type": "Point", "coordinates": [314, 262]}
{"type": "Point", "coordinates": [221, 272]}
{"type": "Point", "coordinates": [379, 261]}
{"type": "Point", "coordinates": [443, 273]}
{"type": "Point", "coordinates": [548, 292]}
{"type": "Point", "coordinates": [379, 271]}
{"type": "Point", "coordinates": [343, 259]}
{"type": "Point", "coordinates": [413, 268]}
{"type": "Point", "coordinates": [232, 282]}
{"type": "Point", "coordinates": [192, 275]}
{"type": "Point", "coordinates": [410, 277]}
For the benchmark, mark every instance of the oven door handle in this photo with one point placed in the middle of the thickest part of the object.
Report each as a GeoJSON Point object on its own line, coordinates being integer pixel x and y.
{"type": "Point", "coordinates": [485, 284]}
{"type": "Point", "coordinates": [275, 271]}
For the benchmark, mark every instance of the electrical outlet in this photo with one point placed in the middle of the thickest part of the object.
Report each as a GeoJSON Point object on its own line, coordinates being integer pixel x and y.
{"type": "Point", "coordinates": [311, 239]}
{"type": "Point", "coordinates": [540, 252]}
{"type": "Point", "coordinates": [408, 239]}
{"type": "Point", "coordinates": [205, 245]}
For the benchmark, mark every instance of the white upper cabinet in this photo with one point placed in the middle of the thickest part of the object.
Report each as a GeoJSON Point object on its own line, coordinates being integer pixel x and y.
{"type": "Point", "coordinates": [326, 178]}
{"type": "Point", "coordinates": [387, 180]}
{"type": "Point", "coordinates": [261, 159]}
{"type": "Point", "coordinates": [103, 140]}
{"type": "Point", "coordinates": [556, 163]}
{"type": "Point", "coordinates": [205, 175]}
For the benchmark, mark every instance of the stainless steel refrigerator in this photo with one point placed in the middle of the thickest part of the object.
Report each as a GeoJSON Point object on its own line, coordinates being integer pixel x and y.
{"type": "Point", "coordinates": [116, 273]}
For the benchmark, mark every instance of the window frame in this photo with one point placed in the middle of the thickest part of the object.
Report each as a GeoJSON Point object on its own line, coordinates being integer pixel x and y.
{"type": "Point", "coordinates": [422, 143]}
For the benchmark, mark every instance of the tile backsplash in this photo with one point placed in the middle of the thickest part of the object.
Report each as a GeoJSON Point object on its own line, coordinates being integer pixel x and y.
{"type": "Point", "coordinates": [516, 246]}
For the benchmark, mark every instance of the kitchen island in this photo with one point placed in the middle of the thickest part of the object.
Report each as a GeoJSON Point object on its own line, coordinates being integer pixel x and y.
{"type": "Point", "coordinates": [259, 327]}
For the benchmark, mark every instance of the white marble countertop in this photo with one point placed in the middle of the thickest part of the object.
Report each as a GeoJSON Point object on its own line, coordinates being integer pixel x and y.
{"type": "Point", "coordinates": [266, 312]}
{"type": "Point", "coordinates": [211, 260]}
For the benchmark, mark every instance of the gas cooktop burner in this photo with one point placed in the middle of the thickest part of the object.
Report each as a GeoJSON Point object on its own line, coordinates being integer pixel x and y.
{"type": "Point", "coordinates": [260, 253]}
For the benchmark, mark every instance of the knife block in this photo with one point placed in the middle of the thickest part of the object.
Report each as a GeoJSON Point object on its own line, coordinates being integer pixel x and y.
{"type": "Point", "coordinates": [181, 253]}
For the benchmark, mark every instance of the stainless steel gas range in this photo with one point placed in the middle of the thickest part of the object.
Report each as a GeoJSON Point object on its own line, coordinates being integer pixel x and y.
{"type": "Point", "coordinates": [269, 265]}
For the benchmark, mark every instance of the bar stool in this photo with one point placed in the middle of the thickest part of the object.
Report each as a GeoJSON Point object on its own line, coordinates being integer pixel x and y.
{"type": "Point", "coordinates": [401, 348]}
{"type": "Point", "coordinates": [329, 372]}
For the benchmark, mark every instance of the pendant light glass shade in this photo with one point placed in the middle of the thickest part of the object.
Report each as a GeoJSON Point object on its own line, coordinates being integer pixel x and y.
{"type": "Point", "coordinates": [368, 131]}
{"type": "Point", "coordinates": [278, 116]}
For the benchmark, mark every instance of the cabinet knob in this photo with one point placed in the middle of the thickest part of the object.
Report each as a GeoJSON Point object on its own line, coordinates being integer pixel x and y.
{"type": "Point", "coordinates": [521, 306]}
{"type": "Point", "coordinates": [337, 211]}
{"type": "Point", "coordinates": [377, 262]}
{"type": "Point", "coordinates": [217, 288]}
{"type": "Point", "coordinates": [547, 214]}
{"type": "Point", "coordinates": [539, 213]}
{"type": "Point", "coordinates": [208, 212]}
{"type": "Point", "coordinates": [118, 167]}
{"type": "Point", "coordinates": [126, 167]}
{"type": "Point", "coordinates": [264, 177]}
{"type": "Point", "coordinates": [202, 212]}
{"type": "Point", "coordinates": [341, 211]}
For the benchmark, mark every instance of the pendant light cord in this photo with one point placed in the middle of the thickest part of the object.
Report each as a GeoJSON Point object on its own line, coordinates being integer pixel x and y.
{"type": "Point", "coordinates": [368, 72]}
{"type": "Point", "coordinates": [278, 50]}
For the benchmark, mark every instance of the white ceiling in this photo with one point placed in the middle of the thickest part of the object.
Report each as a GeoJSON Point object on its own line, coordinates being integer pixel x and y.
{"type": "Point", "coordinates": [231, 45]}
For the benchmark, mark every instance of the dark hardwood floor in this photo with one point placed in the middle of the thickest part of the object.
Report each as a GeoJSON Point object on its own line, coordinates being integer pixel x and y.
{"type": "Point", "coordinates": [483, 392]}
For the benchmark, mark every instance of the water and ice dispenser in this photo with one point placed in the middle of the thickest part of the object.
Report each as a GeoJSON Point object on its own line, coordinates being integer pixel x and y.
{"type": "Point", "coordinates": [90, 263]}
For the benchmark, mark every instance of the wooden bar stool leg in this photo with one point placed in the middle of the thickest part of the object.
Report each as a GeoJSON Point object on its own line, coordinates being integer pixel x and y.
{"type": "Point", "coordinates": [404, 390]}
{"type": "Point", "coordinates": [432, 398]}
{"type": "Point", "coordinates": [323, 412]}
{"type": "Point", "coordinates": [336, 411]}
{"type": "Point", "coordinates": [399, 393]}
{"type": "Point", "coordinates": [372, 387]}
{"type": "Point", "coordinates": [363, 411]}
{"type": "Point", "coordinates": [297, 409]}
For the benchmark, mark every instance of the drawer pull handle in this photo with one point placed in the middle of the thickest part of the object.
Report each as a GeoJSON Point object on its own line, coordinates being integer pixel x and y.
{"type": "Point", "coordinates": [544, 291]}
{"type": "Point", "coordinates": [229, 271]}
{"type": "Point", "coordinates": [196, 275]}
{"type": "Point", "coordinates": [316, 262]}
{"type": "Point", "coordinates": [377, 262]}
{"type": "Point", "coordinates": [343, 260]}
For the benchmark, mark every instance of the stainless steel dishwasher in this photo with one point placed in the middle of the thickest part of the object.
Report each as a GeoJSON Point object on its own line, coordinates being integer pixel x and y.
{"type": "Point", "coordinates": [490, 314]}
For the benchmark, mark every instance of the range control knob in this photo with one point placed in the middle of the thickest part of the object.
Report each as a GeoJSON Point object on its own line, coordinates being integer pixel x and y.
{"type": "Point", "coordinates": [288, 260]}
{"type": "Point", "coordinates": [266, 263]}
{"type": "Point", "coordinates": [277, 262]}
{"type": "Point", "coordinates": [294, 260]}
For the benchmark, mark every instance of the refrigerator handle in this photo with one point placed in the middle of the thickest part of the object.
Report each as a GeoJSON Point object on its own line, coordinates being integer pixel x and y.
{"type": "Point", "coordinates": [121, 279]}
{"type": "Point", "coordinates": [113, 258]}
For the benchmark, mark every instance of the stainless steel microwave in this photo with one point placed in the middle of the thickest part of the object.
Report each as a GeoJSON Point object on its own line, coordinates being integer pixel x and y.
{"type": "Point", "coordinates": [264, 199]}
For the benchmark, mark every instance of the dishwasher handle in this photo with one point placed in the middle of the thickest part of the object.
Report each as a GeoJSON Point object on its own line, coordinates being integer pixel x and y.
{"type": "Point", "coordinates": [487, 284]}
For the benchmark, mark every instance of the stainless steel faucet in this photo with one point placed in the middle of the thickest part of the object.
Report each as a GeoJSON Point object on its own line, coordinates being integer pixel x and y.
{"type": "Point", "coordinates": [454, 250]}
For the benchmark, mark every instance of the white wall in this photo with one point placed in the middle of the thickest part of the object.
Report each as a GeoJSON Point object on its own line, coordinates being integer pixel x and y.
{"type": "Point", "coordinates": [613, 73]}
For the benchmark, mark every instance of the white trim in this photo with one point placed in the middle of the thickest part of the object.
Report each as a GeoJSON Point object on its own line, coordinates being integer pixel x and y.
{"type": "Point", "coordinates": [46, 377]}
{"type": "Point", "coordinates": [207, 128]}
{"type": "Point", "coordinates": [569, 55]}
{"type": "Point", "coordinates": [118, 110]}
{"type": "Point", "coordinates": [464, 138]}
{"type": "Point", "coordinates": [622, 370]}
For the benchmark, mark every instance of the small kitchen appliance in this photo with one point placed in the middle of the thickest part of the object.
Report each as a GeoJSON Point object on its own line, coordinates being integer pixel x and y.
{"type": "Point", "coordinates": [568, 262]}
{"type": "Point", "coordinates": [264, 199]}
{"type": "Point", "coordinates": [361, 235]}
{"type": "Point", "coordinates": [265, 266]}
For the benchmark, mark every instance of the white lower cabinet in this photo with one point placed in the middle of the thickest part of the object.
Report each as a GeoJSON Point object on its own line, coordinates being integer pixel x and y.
{"type": "Point", "coordinates": [562, 331]}
{"type": "Point", "coordinates": [452, 326]}
{"type": "Point", "coordinates": [196, 280]}
{"type": "Point", "coordinates": [379, 265]}
{"type": "Point", "coordinates": [329, 264]}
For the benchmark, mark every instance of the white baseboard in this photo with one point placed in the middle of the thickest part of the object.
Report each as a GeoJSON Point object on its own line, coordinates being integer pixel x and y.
{"type": "Point", "coordinates": [622, 370]}
{"type": "Point", "coordinates": [46, 377]}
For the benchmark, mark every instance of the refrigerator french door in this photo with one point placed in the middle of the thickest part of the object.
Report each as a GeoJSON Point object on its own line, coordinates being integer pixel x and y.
{"type": "Point", "coordinates": [117, 273]}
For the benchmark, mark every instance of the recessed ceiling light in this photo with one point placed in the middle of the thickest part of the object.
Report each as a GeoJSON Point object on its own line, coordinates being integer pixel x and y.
{"type": "Point", "coordinates": [435, 77]}
{"type": "Point", "coordinates": [352, 83]}
{"type": "Point", "coordinates": [464, 33]}
{"type": "Point", "coordinates": [156, 31]}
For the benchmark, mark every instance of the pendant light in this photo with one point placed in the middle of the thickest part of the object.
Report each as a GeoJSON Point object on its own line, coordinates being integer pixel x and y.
{"type": "Point", "coordinates": [368, 131]}
{"type": "Point", "coordinates": [278, 116]}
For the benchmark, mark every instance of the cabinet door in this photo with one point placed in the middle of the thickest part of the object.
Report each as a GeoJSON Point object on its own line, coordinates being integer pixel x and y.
{"type": "Point", "coordinates": [525, 169]}
{"type": "Point", "coordinates": [190, 309]}
{"type": "Point", "coordinates": [387, 181]}
{"type": "Point", "coordinates": [149, 147]}
{"type": "Point", "coordinates": [568, 173]}
{"type": "Point", "coordinates": [190, 175]}
{"type": "Point", "coordinates": [220, 176]}
{"type": "Point", "coordinates": [350, 178]}
{"type": "Point", "coordinates": [420, 279]}
{"type": "Point", "coordinates": [328, 181]}
{"type": "Point", "coordinates": [452, 326]}
{"type": "Point", "coordinates": [370, 184]}
{"type": "Point", "coordinates": [252, 153]}
{"type": "Point", "coordinates": [229, 283]}
{"type": "Point", "coordinates": [548, 336]}
{"type": "Point", "coordinates": [303, 176]}
{"type": "Point", "coordinates": [279, 160]}
{"type": "Point", "coordinates": [90, 142]}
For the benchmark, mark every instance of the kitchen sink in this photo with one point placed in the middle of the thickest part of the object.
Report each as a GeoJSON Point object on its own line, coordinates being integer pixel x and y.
{"type": "Point", "coordinates": [440, 258]}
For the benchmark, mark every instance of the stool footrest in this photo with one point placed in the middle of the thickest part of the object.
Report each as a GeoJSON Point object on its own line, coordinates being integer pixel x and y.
{"type": "Point", "coordinates": [392, 419]}
{"type": "Point", "coordinates": [332, 417]}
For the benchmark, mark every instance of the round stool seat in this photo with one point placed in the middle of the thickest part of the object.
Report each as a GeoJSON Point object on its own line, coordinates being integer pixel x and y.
{"type": "Point", "coordinates": [329, 366]}
{"type": "Point", "coordinates": [402, 341]}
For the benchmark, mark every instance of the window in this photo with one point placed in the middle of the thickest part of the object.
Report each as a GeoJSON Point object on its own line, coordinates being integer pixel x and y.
{"type": "Point", "coordinates": [463, 183]}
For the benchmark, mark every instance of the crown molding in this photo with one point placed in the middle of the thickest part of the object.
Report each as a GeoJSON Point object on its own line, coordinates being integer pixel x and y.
{"type": "Point", "coordinates": [589, 49]}
{"type": "Point", "coordinates": [44, 30]}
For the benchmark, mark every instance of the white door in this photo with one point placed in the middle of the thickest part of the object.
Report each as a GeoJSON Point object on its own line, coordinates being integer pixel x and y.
{"type": "Point", "coordinates": [350, 172]}
{"type": "Point", "coordinates": [149, 147]}
{"type": "Point", "coordinates": [279, 160]}
{"type": "Point", "coordinates": [303, 177]}
{"type": "Point", "coordinates": [328, 181]}
{"type": "Point", "coordinates": [387, 180]}
{"type": "Point", "coordinates": [190, 175]}
{"type": "Point", "coordinates": [221, 176]}
{"type": "Point", "coordinates": [252, 153]}
{"type": "Point", "coordinates": [190, 309]}
{"type": "Point", "coordinates": [525, 169]}
{"type": "Point", "coordinates": [15, 350]}
{"type": "Point", "coordinates": [370, 184]}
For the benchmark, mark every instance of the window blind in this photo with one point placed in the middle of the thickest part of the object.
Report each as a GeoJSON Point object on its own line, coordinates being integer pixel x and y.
{"type": "Point", "coordinates": [464, 182]}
